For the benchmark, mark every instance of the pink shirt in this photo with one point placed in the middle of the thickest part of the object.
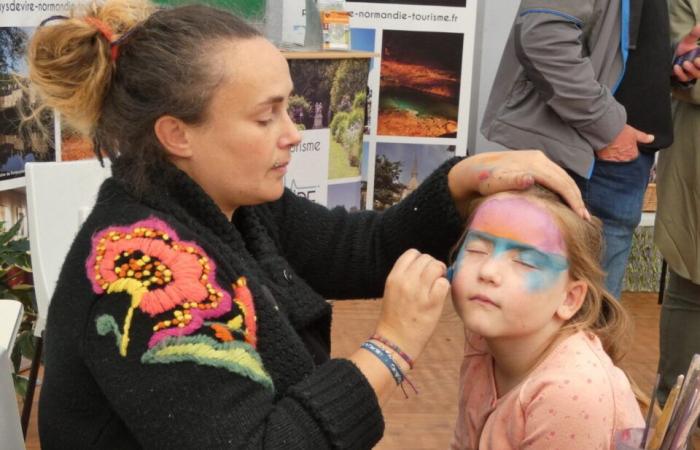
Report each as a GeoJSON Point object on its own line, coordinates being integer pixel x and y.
{"type": "Point", "coordinates": [576, 398]}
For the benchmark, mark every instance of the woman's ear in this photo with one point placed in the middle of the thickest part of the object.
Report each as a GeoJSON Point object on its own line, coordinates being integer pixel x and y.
{"type": "Point", "coordinates": [575, 294]}
{"type": "Point", "coordinates": [173, 136]}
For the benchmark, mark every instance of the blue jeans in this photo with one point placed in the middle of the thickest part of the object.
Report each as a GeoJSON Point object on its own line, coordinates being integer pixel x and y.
{"type": "Point", "coordinates": [615, 193]}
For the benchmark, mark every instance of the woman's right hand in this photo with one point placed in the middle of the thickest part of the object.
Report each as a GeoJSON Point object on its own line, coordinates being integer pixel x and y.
{"type": "Point", "coordinates": [414, 296]}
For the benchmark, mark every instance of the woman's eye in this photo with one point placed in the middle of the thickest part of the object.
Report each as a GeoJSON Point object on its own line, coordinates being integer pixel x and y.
{"type": "Point", "coordinates": [476, 251]}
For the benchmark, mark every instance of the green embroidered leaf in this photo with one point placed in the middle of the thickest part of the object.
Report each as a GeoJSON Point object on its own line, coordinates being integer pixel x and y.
{"type": "Point", "coordinates": [234, 356]}
{"type": "Point", "coordinates": [106, 324]}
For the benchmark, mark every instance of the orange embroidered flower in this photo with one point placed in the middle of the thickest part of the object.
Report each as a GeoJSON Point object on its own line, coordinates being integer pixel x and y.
{"type": "Point", "coordinates": [161, 273]}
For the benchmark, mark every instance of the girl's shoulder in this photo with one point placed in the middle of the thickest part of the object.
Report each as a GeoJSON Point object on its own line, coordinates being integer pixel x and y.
{"type": "Point", "coordinates": [578, 371]}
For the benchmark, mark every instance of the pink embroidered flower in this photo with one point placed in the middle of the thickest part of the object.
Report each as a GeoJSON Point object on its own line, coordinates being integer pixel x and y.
{"type": "Point", "coordinates": [161, 273]}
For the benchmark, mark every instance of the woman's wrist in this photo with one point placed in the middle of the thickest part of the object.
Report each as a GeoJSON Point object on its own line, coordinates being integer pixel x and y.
{"type": "Point", "coordinates": [403, 359]}
{"type": "Point", "coordinates": [396, 363]}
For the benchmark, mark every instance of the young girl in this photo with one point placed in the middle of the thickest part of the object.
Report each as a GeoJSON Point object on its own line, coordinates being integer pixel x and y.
{"type": "Point", "coordinates": [542, 334]}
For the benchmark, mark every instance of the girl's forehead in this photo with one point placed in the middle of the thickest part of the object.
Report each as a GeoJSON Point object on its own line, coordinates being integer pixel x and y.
{"type": "Point", "coordinates": [518, 219]}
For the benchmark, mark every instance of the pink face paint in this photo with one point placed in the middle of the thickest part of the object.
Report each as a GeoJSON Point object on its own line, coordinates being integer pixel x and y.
{"type": "Point", "coordinates": [520, 220]}
{"type": "Point", "coordinates": [518, 225]}
{"type": "Point", "coordinates": [484, 174]}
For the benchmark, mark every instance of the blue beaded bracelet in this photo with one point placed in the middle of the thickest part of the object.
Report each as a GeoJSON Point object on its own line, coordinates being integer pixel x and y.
{"type": "Point", "coordinates": [385, 358]}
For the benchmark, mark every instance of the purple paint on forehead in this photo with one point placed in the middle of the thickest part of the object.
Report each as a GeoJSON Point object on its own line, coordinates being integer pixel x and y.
{"type": "Point", "coordinates": [519, 219]}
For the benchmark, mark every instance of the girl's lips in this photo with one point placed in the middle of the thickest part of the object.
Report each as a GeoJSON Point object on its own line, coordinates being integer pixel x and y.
{"type": "Point", "coordinates": [482, 299]}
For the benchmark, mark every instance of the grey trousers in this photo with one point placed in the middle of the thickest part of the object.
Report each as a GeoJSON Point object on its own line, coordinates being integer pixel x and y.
{"type": "Point", "coordinates": [679, 331]}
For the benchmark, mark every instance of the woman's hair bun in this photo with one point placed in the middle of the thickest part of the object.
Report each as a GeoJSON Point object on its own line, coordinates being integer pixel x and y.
{"type": "Point", "coordinates": [70, 61]}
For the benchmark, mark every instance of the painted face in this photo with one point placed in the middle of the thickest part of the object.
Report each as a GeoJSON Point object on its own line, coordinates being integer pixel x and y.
{"type": "Point", "coordinates": [242, 150]}
{"type": "Point", "coordinates": [511, 268]}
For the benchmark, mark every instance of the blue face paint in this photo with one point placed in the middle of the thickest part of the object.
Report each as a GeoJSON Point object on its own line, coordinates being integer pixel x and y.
{"type": "Point", "coordinates": [544, 268]}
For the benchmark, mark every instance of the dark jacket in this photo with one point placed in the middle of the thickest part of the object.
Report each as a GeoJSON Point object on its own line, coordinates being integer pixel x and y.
{"type": "Point", "coordinates": [226, 343]}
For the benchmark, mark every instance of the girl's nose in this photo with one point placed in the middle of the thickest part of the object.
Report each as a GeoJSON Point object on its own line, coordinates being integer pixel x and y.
{"type": "Point", "coordinates": [491, 269]}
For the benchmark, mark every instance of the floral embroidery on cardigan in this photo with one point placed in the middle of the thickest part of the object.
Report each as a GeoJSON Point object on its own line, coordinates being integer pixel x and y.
{"type": "Point", "coordinates": [163, 274]}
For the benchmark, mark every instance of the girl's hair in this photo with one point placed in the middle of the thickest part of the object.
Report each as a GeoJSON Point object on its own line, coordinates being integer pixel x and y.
{"type": "Point", "coordinates": [167, 65]}
{"type": "Point", "coordinates": [600, 312]}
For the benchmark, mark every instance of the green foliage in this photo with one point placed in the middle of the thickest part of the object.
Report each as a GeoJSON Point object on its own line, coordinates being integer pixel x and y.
{"type": "Point", "coordinates": [249, 9]}
{"type": "Point", "coordinates": [297, 101]}
{"type": "Point", "coordinates": [339, 124]}
{"type": "Point", "coordinates": [360, 100]}
{"type": "Point", "coordinates": [387, 188]}
{"type": "Point", "coordinates": [15, 279]}
{"type": "Point", "coordinates": [12, 44]}
{"type": "Point", "coordinates": [349, 79]}
{"type": "Point", "coordinates": [312, 78]}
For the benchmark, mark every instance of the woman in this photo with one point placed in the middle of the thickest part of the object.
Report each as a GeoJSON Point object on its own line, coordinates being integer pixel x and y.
{"type": "Point", "coordinates": [190, 310]}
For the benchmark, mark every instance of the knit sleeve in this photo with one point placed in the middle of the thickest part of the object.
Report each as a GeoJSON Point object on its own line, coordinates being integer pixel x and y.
{"type": "Point", "coordinates": [176, 354]}
{"type": "Point", "coordinates": [348, 255]}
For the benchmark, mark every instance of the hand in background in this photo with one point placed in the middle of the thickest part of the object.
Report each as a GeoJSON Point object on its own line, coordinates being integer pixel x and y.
{"type": "Point", "coordinates": [491, 172]}
{"type": "Point", "coordinates": [624, 147]}
{"type": "Point", "coordinates": [689, 70]}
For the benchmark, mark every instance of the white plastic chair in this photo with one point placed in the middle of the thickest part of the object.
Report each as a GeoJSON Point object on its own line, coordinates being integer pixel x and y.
{"type": "Point", "coordinates": [10, 429]}
{"type": "Point", "coordinates": [60, 195]}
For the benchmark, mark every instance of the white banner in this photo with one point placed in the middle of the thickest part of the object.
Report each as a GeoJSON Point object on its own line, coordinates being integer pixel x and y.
{"type": "Point", "coordinates": [28, 13]}
{"type": "Point", "coordinates": [307, 173]}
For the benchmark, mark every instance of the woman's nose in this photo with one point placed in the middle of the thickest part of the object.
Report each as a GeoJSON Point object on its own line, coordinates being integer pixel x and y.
{"type": "Point", "coordinates": [291, 135]}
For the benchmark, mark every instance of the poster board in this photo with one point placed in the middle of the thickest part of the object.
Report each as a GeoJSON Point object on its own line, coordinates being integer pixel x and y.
{"type": "Point", "coordinates": [21, 141]}
{"type": "Point", "coordinates": [418, 98]}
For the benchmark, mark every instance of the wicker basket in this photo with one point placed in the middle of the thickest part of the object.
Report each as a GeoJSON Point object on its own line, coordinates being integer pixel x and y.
{"type": "Point", "coordinates": [649, 204]}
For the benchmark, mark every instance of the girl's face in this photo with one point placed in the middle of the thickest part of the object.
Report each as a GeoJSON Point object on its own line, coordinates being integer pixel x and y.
{"type": "Point", "coordinates": [241, 152]}
{"type": "Point", "coordinates": [510, 277]}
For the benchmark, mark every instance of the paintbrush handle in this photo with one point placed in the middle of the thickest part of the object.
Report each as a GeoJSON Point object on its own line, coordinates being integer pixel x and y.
{"type": "Point", "coordinates": [662, 424]}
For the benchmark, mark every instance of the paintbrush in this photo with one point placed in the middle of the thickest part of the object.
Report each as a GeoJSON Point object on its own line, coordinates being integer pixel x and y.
{"type": "Point", "coordinates": [686, 421]}
{"type": "Point", "coordinates": [662, 424]}
{"type": "Point", "coordinates": [652, 402]}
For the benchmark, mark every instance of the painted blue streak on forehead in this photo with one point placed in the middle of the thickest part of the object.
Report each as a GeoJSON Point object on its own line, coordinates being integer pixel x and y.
{"type": "Point", "coordinates": [528, 254]}
{"type": "Point", "coordinates": [549, 264]}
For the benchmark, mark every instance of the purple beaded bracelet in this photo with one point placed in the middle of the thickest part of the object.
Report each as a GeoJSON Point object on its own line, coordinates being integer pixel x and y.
{"type": "Point", "coordinates": [394, 347]}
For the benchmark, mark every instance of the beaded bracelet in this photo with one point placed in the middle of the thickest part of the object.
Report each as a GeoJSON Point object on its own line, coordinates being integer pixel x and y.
{"type": "Point", "coordinates": [385, 358]}
{"type": "Point", "coordinates": [394, 347]}
{"type": "Point", "coordinates": [388, 361]}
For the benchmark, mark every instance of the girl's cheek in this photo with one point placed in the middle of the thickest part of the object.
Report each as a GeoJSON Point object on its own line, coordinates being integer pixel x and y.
{"type": "Point", "coordinates": [540, 280]}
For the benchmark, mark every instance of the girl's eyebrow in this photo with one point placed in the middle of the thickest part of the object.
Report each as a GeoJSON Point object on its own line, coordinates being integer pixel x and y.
{"type": "Point", "coordinates": [513, 244]}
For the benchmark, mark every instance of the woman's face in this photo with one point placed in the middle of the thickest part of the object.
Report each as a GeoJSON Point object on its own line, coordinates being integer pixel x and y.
{"type": "Point", "coordinates": [241, 152]}
{"type": "Point", "coordinates": [511, 274]}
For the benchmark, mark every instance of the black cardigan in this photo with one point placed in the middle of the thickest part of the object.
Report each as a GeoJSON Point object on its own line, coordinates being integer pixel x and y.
{"type": "Point", "coordinates": [230, 381]}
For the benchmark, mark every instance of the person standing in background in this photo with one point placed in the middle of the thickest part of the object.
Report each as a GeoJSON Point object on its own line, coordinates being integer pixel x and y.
{"type": "Point", "coordinates": [588, 83]}
{"type": "Point", "coordinates": [677, 224]}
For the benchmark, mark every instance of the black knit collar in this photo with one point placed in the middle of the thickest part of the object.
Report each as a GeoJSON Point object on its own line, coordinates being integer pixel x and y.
{"type": "Point", "coordinates": [173, 192]}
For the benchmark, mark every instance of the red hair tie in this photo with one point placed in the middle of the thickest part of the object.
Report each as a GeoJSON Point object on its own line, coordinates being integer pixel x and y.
{"type": "Point", "coordinates": [108, 34]}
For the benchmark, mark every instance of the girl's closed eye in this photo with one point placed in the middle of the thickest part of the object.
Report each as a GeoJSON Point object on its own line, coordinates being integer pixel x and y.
{"type": "Point", "coordinates": [525, 262]}
{"type": "Point", "coordinates": [478, 247]}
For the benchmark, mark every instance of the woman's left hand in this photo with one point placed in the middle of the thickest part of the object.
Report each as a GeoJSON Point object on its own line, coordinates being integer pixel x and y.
{"type": "Point", "coordinates": [488, 173]}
